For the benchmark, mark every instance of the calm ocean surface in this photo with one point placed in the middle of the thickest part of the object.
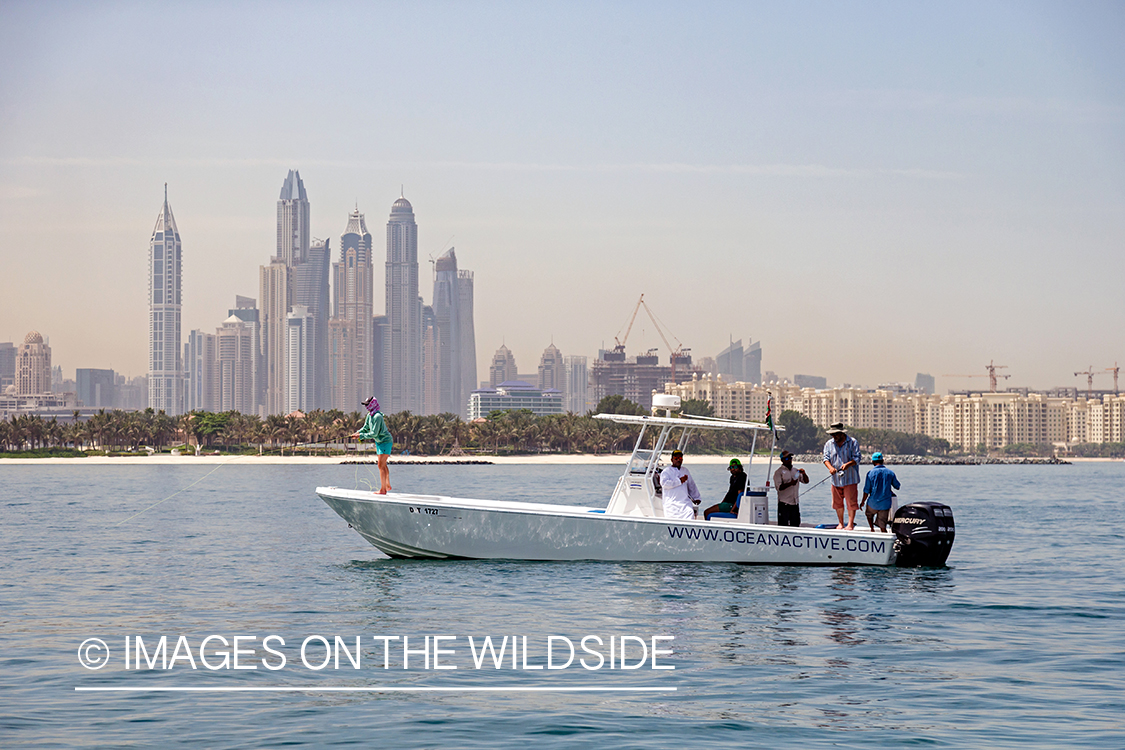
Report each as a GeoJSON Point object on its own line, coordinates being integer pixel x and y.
{"type": "Point", "coordinates": [1020, 642]}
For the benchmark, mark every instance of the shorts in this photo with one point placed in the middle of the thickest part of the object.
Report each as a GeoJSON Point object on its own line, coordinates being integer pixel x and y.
{"type": "Point", "coordinates": [849, 492]}
{"type": "Point", "coordinates": [877, 517]}
{"type": "Point", "coordinates": [384, 449]}
{"type": "Point", "coordinates": [726, 508]}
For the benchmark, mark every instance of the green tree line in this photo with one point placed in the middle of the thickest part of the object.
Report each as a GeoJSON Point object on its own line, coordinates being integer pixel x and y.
{"type": "Point", "coordinates": [513, 432]}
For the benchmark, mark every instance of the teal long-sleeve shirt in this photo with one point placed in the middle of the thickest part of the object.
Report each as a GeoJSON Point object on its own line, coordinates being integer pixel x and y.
{"type": "Point", "coordinates": [375, 429]}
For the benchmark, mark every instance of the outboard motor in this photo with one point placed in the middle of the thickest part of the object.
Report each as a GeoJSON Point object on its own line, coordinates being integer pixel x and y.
{"type": "Point", "coordinates": [923, 534]}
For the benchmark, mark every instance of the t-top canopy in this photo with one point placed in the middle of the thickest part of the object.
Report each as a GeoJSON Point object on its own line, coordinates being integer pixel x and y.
{"type": "Point", "coordinates": [696, 423]}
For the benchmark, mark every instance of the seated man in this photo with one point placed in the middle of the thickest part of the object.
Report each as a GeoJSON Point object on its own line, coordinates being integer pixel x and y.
{"type": "Point", "coordinates": [737, 486]}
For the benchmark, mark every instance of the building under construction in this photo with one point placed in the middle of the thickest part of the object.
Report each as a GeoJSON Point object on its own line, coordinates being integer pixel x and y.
{"type": "Point", "coordinates": [635, 378]}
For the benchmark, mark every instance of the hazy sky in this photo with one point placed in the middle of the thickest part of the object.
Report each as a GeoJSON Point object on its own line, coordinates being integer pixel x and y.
{"type": "Point", "coordinates": [871, 189]}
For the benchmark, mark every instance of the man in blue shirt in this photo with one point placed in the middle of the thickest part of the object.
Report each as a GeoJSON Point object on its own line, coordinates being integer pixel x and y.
{"type": "Point", "coordinates": [877, 492]}
{"type": "Point", "coordinates": [841, 458]}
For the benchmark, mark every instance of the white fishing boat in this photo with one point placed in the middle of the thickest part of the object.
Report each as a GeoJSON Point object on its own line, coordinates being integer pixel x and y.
{"type": "Point", "coordinates": [632, 526]}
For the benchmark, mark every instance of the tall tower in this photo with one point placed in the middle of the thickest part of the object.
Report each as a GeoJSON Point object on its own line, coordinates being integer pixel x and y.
{"type": "Point", "coordinates": [165, 367]}
{"type": "Point", "coordinates": [503, 367]}
{"type": "Point", "coordinates": [33, 366]}
{"type": "Point", "coordinates": [274, 293]}
{"type": "Point", "coordinates": [469, 382]}
{"type": "Point", "coordinates": [299, 350]}
{"type": "Point", "coordinates": [293, 221]}
{"type": "Point", "coordinates": [309, 286]}
{"type": "Point", "coordinates": [236, 365]}
{"type": "Point", "coordinates": [551, 374]}
{"type": "Point", "coordinates": [246, 310]}
{"type": "Point", "coordinates": [402, 368]}
{"type": "Point", "coordinates": [445, 368]}
{"type": "Point", "coordinates": [308, 262]}
{"type": "Point", "coordinates": [350, 329]}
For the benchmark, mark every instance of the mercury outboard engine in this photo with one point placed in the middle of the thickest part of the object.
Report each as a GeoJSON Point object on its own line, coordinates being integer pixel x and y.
{"type": "Point", "coordinates": [923, 534]}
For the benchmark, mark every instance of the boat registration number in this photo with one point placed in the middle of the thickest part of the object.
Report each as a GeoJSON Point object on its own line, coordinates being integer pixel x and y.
{"type": "Point", "coordinates": [427, 511]}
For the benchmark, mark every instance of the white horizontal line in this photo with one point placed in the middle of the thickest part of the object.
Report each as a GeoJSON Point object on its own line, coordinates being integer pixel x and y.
{"type": "Point", "coordinates": [377, 689]}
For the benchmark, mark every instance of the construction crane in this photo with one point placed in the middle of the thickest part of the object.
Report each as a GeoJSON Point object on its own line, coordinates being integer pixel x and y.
{"type": "Point", "coordinates": [1089, 373]}
{"type": "Point", "coordinates": [620, 347]}
{"type": "Point", "coordinates": [993, 376]}
{"type": "Point", "coordinates": [677, 352]}
{"type": "Point", "coordinates": [1115, 370]}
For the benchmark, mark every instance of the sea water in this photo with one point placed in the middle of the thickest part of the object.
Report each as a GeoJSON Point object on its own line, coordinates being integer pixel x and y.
{"type": "Point", "coordinates": [1017, 643]}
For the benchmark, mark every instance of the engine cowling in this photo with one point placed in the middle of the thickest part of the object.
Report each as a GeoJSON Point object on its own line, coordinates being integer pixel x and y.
{"type": "Point", "coordinates": [924, 534]}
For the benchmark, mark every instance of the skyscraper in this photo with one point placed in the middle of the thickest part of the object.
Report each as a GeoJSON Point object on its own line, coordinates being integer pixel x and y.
{"type": "Point", "coordinates": [456, 362]}
{"type": "Point", "coordinates": [96, 388]}
{"type": "Point", "coordinates": [200, 365]}
{"type": "Point", "coordinates": [924, 382]}
{"type": "Point", "coordinates": [299, 350]}
{"type": "Point", "coordinates": [431, 365]}
{"type": "Point", "coordinates": [468, 340]}
{"type": "Point", "coordinates": [7, 365]}
{"type": "Point", "coordinates": [309, 286]}
{"type": "Point", "coordinates": [308, 263]}
{"type": "Point", "coordinates": [236, 364]}
{"type": "Point", "coordinates": [293, 221]}
{"type": "Point", "coordinates": [551, 373]}
{"type": "Point", "coordinates": [503, 367]}
{"type": "Point", "coordinates": [33, 366]}
{"type": "Point", "coordinates": [752, 363]}
{"type": "Point", "coordinates": [730, 362]}
{"type": "Point", "coordinates": [350, 328]}
{"type": "Point", "coordinates": [402, 367]}
{"type": "Point", "coordinates": [274, 293]}
{"type": "Point", "coordinates": [577, 384]}
{"type": "Point", "coordinates": [246, 310]}
{"type": "Point", "coordinates": [165, 368]}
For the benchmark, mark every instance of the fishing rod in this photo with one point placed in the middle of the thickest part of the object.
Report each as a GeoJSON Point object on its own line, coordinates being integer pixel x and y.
{"type": "Point", "coordinates": [822, 481]}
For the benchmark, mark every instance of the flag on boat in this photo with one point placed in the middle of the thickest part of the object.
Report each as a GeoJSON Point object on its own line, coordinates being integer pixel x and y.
{"type": "Point", "coordinates": [769, 414]}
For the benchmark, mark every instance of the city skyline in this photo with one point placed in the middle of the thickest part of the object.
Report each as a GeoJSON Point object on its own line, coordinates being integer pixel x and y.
{"type": "Point", "coordinates": [950, 180]}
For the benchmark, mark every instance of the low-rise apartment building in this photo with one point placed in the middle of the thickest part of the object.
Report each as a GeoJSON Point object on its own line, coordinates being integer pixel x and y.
{"type": "Point", "coordinates": [994, 420]}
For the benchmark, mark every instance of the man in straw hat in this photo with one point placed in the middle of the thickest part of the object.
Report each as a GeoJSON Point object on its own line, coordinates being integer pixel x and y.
{"type": "Point", "coordinates": [841, 456]}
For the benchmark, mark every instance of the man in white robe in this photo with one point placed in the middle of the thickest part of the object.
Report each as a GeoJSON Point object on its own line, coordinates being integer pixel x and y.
{"type": "Point", "coordinates": [679, 490]}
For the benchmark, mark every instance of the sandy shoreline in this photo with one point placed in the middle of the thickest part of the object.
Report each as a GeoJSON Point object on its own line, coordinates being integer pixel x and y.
{"type": "Point", "coordinates": [166, 460]}
{"type": "Point", "coordinates": [559, 460]}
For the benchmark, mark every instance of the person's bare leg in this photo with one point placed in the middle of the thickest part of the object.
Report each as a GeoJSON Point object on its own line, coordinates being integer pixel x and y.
{"type": "Point", "coordinates": [840, 517]}
{"type": "Point", "coordinates": [384, 474]}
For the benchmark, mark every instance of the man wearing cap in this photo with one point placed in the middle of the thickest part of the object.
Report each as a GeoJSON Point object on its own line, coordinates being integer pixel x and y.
{"type": "Point", "coordinates": [785, 479]}
{"type": "Point", "coordinates": [841, 456]}
{"type": "Point", "coordinates": [680, 493]}
{"type": "Point", "coordinates": [877, 492]}
{"type": "Point", "coordinates": [737, 485]}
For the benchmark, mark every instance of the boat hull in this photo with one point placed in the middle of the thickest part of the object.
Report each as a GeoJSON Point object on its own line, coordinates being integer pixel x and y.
{"type": "Point", "coordinates": [426, 526]}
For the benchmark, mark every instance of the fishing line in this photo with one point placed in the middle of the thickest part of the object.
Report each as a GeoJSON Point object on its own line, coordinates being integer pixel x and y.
{"type": "Point", "coordinates": [197, 481]}
{"type": "Point", "coordinates": [822, 481]}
